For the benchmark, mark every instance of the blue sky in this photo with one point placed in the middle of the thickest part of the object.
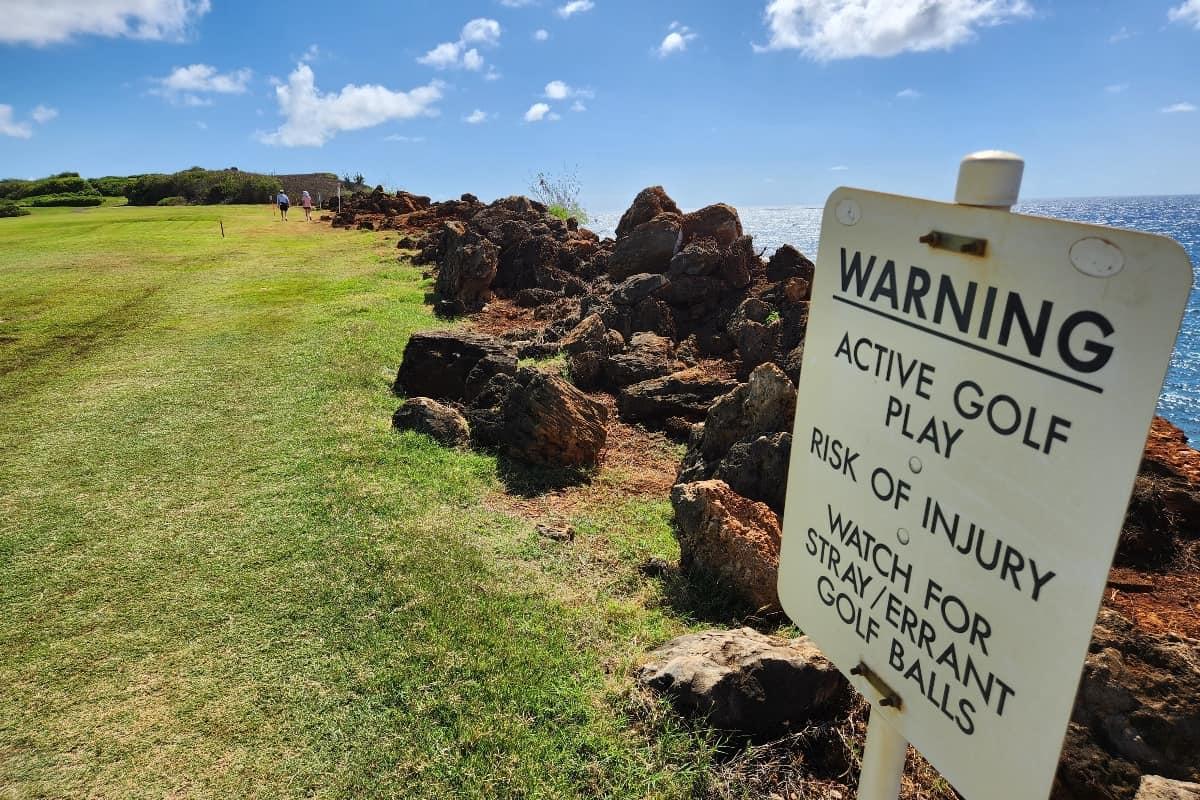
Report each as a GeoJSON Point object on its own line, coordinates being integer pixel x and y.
{"type": "Point", "coordinates": [752, 102]}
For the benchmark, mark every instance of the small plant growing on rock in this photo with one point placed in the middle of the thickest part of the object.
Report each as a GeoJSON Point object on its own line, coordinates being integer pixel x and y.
{"type": "Point", "coordinates": [560, 194]}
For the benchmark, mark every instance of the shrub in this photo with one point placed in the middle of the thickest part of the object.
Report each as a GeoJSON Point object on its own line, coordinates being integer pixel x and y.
{"type": "Point", "coordinates": [74, 199]}
{"type": "Point", "coordinates": [11, 209]}
{"type": "Point", "coordinates": [113, 185]}
{"type": "Point", "coordinates": [198, 185]}
{"type": "Point", "coordinates": [63, 183]}
{"type": "Point", "coordinates": [11, 187]}
{"type": "Point", "coordinates": [560, 194]}
{"type": "Point", "coordinates": [172, 201]}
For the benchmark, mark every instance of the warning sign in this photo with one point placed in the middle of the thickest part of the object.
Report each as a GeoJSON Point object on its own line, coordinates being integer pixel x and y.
{"type": "Point", "coordinates": [977, 391]}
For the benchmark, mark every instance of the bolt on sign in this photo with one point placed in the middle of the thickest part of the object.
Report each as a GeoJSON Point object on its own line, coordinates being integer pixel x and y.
{"type": "Point", "coordinates": [977, 390]}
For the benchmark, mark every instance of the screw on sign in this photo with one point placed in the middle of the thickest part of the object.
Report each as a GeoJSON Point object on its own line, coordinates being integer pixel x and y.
{"type": "Point", "coordinates": [978, 386]}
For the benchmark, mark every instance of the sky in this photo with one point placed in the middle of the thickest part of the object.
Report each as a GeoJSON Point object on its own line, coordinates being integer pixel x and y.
{"type": "Point", "coordinates": [752, 102]}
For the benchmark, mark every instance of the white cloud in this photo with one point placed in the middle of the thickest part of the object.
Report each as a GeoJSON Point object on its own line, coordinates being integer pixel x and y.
{"type": "Point", "coordinates": [1120, 35]}
{"type": "Point", "coordinates": [460, 55]}
{"type": "Point", "coordinates": [558, 90]}
{"type": "Point", "coordinates": [1116, 88]}
{"type": "Point", "coordinates": [43, 114]}
{"type": "Point", "coordinates": [541, 34]}
{"type": "Point", "coordinates": [1179, 108]}
{"type": "Point", "coordinates": [575, 7]}
{"type": "Point", "coordinates": [10, 127]}
{"type": "Point", "coordinates": [908, 94]}
{"type": "Point", "coordinates": [311, 54]}
{"type": "Point", "coordinates": [52, 21]}
{"type": "Point", "coordinates": [578, 107]}
{"type": "Point", "coordinates": [825, 30]}
{"type": "Point", "coordinates": [396, 137]}
{"type": "Point", "coordinates": [839, 168]}
{"type": "Point", "coordinates": [538, 112]}
{"type": "Point", "coordinates": [516, 3]}
{"type": "Point", "coordinates": [1187, 12]}
{"type": "Point", "coordinates": [205, 78]}
{"type": "Point", "coordinates": [492, 75]}
{"type": "Point", "coordinates": [676, 41]}
{"type": "Point", "coordinates": [312, 118]}
{"type": "Point", "coordinates": [476, 117]}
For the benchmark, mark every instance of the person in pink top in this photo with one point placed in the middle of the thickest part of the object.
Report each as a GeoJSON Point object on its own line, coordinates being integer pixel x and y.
{"type": "Point", "coordinates": [306, 204]}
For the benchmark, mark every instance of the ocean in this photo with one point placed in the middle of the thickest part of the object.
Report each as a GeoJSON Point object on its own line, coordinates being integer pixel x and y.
{"type": "Point", "coordinates": [1177, 217]}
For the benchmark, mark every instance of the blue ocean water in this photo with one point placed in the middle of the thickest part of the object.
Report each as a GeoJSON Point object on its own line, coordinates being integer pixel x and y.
{"type": "Point", "coordinates": [1177, 217]}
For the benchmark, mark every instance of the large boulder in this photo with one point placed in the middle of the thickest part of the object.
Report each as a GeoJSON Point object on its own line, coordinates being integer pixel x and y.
{"type": "Point", "coordinates": [718, 222]}
{"type": "Point", "coordinates": [1136, 711]}
{"type": "Point", "coordinates": [468, 267]}
{"type": "Point", "coordinates": [437, 364]}
{"type": "Point", "coordinates": [540, 418]}
{"type": "Point", "coordinates": [649, 203]}
{"type": "Point", "coordinates": [647, 356]}
{"type": "Point", "coordinates": [729, 537]}
{"type": "Point", "coordinates": [686, 394]}
{"type": "Point", "coordinates": [788, 262]}
{"type": "Point", "coordinates": [747, 682]}
{"type": "Point", "coordinates": [647, 248]}
{"type": "Point", "coordinates": [441, 423]}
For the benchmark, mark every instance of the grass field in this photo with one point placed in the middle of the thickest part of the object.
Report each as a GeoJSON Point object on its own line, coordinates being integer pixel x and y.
{"type": "Point", "coordinates": [223, 575]}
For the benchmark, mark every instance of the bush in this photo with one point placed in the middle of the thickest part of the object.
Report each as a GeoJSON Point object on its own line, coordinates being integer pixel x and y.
{"type": "Point", "coordinates": [10, 187]}
{"type": "Point", "coordinates": [113, 185]}
{"type": "Point", "coordinates": [74, 199]}
{"type": "Point", "coordinates": [198, 185]}
{"type": "Point", "coordinates": [560, 194]}
{"type": "Point", "coordinates": [172, 201]}
{"type": "Point", "coordinates": [11, 209]}
{"type": "Point", "coordinates": [63, 183]}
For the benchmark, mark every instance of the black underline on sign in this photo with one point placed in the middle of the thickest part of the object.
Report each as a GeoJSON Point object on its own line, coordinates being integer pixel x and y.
{"type": "Point", "coordinates": [1091, 387]}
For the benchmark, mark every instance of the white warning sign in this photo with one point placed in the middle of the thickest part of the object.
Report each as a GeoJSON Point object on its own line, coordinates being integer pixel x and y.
{"type": "Point", "coordinates": [977, 391]}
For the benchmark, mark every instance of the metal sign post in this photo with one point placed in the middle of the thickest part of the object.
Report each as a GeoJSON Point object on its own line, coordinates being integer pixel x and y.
{"type": "Point", "coordinates": [977, 390]}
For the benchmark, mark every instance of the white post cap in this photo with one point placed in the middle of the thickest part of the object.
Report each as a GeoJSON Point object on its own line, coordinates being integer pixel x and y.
{"type": "Point", "coordinates": [990, 178]}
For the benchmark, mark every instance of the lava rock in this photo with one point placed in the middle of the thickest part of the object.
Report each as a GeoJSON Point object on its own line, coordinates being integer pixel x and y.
{"type": "Point", "coordinates": [441, 423]}
{"type": "Point", "coordinates": [758, 468]}
{"type": "Point", "coordinates": [686, 394]}
{"type": "Point", "coordinates": [648, 248]}
{"type": "Point", "coordinates": [718, 222]}
{"type": "Point", "coordinates": [1155, 787]}
{"type": "Point", "coordinates": [788, 262]}
{"type": "Point", "coordinates": [746, 682]}
{"type": "Point", "coordinates": [586, 337]}
{"type": "Point", "coordinates": [636, 288]}
{"type": "Point", "coordinates": [701, 257]}
{"type": "Point", "coordinates": [729, 537]}
{"type": "Point", "coordinates": [649, 203]}
{"type": "Point", "coordinates": [647, 356]}
{"type": "Point", "coordinates": [468, 267]}
{"type": "Point", "coordinates": [436, 363]}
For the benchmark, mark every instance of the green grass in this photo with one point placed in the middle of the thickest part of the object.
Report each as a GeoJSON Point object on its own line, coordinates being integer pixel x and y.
{"type": "Point", "coordinates": [223, 575]}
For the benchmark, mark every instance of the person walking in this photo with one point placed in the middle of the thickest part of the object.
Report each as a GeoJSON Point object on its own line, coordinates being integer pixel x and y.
{"type": "Point", "coordinates": [306, 204]}
{"type": "Point", "coordinates": [284, 203]}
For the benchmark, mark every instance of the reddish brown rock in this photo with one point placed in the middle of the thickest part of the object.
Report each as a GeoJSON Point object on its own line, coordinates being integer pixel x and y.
{"type": "Point", "coordinates": [730, 537]}
{"type": "Point", "coordinates": [1162, 525]}
{"type": "Point", "coordinates": [468, 267]}
{"type": "Point", "coordinates": [649, 203]}
{"type": "Point", "coordinates": [718, 222]}
{"type": "Point", "coordinates": [648, 248]}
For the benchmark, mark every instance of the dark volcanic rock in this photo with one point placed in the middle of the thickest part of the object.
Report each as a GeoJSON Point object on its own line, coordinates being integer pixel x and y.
{"type": "Point", "coordinates": [436, 363]}
{"type": "Point", "coordinates": [586, 337]}
{"type": "Point", "coordinates": [654, 316]}
{"type": "Point", "coordinates": [728, 536]}
{"type": "Point", "coordinates": [468, 267]}
{"type": "Point", "coordinates": [686, 394]}
{"type": "Point", "coordinates": [788, 262]}
{"type": "Point", "coordinates": [441, 423]}
{"type": "Point", "coordinates": [757, 343]}
{"type": "Point", "coordinates": [696, 258]}
{"type": "Point", "coordinates": [1135, 713]}
{"type": "Point", "coordinates": [538, 417]}
{"type": "Point", "coordinates": [648, 204]}
{"type": "Point", "coordinates": [647, 356]}
{"type": "Point", "coordinates": [746, 682]}
{"type": "Point", "coordinates": [647, 248]}
{"type": "Point", "coordinates": [758, 468]}
{"type": "Point", "coordinates": [1162, 524]}
{"type": "Point", "coordinates": [637, 288]}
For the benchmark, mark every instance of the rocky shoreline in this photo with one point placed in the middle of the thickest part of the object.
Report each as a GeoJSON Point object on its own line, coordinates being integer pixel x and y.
{"type": "Point", "coordinates": [692, 333]}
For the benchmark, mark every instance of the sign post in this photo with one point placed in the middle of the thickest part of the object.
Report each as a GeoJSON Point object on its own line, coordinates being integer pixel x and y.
{"type": "Point", "coordinates": [977, 390]}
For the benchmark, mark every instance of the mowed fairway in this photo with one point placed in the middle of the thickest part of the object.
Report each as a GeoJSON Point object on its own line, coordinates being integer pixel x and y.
{"type": "Point", "coordinates": [223, 575]}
